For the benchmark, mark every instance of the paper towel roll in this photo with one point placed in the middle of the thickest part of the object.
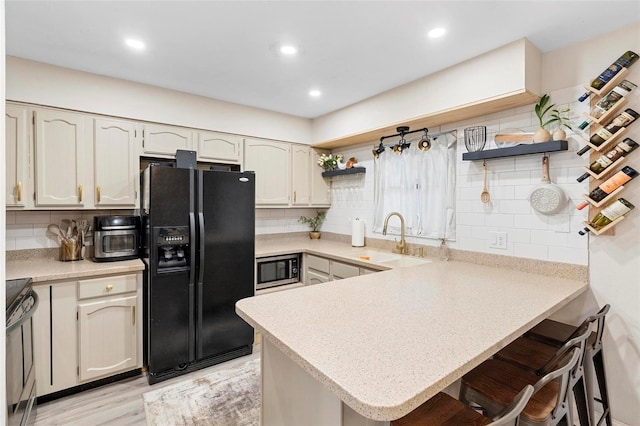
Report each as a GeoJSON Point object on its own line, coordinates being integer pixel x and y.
{"type": "Point", "coordinates": [357, 233]}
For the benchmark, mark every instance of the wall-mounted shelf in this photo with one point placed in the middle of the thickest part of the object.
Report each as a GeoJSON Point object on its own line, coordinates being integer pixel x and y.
{"type": "Point", "coordinates": [604, 200]}
{"type": "Point", "coordinates": [604, 118]}
{"type": "Point", "coordinates": [523, 149]}
{"type": "Point", "coordinates": [595, 231]}
{"type": "Point", "coordinates": [351, 171]}
{"type": "Point", "coordinates": [621, 131]}
{"type": "Point", "coordinates": [610, 84]}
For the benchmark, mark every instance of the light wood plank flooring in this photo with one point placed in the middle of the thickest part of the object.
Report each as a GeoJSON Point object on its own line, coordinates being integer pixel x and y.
{"type": "Point", "coordinates": [115, 404]}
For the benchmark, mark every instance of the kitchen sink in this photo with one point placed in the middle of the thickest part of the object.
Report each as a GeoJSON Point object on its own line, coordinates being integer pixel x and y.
{"type": "Point", "coordinates": [404, 261]}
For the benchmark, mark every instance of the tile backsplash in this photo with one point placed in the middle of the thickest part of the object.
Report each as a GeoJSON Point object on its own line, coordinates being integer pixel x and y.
{"type": "Point", "coordinates": [28, 229]}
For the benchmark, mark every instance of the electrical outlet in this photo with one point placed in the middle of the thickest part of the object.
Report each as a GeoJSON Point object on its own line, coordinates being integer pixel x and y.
{"type": "Point", "coordinates": [498, 240]}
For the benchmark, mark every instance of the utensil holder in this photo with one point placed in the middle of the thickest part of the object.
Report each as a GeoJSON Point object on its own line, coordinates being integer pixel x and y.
{"type": "Point", "coordinates": [475, 138]}
{"type": "Point", "coordinates": [70, 250]}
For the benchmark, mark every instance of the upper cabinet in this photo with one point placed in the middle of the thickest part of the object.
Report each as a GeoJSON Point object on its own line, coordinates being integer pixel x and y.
{"type": "Point", "coordinates": [270, 160]}
{"type": "Point", "coordinates": [320, 187]}
{"type": "Point", "coordinates": [61, 162]}
{"type": "Point", "coordinates": [17, 150]}
{"type": "Point", "coordinates": [287, 174]}
{"type": "Point", "coordinates": [219, 147]}
{"type": "Point", "coordinates": [116, 165]}
{"type": "Point", "coordinates": [300, 169]}
{"type": "Point", "coordinates": [163, 141]}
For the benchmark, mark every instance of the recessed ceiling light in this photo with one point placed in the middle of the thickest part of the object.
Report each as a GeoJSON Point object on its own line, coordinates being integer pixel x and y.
{"type": "Point", "coordinates": [314, 93]}
{"type": "Point", "coordinates": [135, 44]}
{"type": "Point", "coordinates": [289, 50]}
{"type": "Point", "coordinates": [436, 32]}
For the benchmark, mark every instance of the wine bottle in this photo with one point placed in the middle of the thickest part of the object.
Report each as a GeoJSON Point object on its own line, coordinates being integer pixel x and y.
{"type": "Point", "coordinates": [611, 184]}
{"type": "Point", "coordinates": [610, 99]}
{"type": "Point", "coordinates": [624, 61]}
{"type": "Point", "coordinates": [625, 118]}
{"type": "Point", "coordinates": [613, 211]}
{"type": "Point", "coordinates": [621, 150]}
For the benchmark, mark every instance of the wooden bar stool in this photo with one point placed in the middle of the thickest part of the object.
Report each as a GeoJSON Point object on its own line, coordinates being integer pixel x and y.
{"type": "Point", "coordinates": [538, 346]}
{"type": "Point", "coordinates": [556, 333]}
{"type": "Point", "coordinates": [493, 384]}
{"type": "Point", "coordinates": [443, 410]}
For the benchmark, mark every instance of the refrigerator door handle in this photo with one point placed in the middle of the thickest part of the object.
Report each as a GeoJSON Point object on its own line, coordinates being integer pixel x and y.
{"type": "Point", "coordinates": [192, 282]}
{"type": "Point", "coordinates": [201, 231]}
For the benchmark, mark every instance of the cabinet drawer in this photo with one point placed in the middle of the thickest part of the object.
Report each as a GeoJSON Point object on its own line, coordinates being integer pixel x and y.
{"type": "Point", "coordinates": [106, 286]}
{"type": "Point", "coordinates": [342, 270]}
{"type": "Point", "coordinates": [316, 278]}
{"type": "Point", "coordinates": [317, 263]}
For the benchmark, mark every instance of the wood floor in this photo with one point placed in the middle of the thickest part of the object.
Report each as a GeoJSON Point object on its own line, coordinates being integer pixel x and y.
{"type": "Point", "coordinates": [115, 404]}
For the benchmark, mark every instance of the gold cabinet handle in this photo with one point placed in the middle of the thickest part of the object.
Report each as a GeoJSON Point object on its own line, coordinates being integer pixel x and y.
{"type": "Point", "coordinates": [19, 190]}
{"type": "Point", "coordinates": [109, 287]}
{"type": "Point", "coordinates": [79, 193]}
{"type": "Point", "coordinates": [133, 315]}
{"type": "Point", "coordinates": [295, 196]}
{"type": "Point", "coordinates": [98, 192]}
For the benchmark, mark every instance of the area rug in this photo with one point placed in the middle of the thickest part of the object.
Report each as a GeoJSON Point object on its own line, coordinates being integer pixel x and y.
{"type": "Point", "coordinates": [229, 397]}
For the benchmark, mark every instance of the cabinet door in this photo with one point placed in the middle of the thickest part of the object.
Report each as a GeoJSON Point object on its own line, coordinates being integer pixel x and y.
{"type": "Point", "coordinates": [18, 186]}
{"type": "Point", "coordinates": [165, 140]}
{"type": "Point", "coordinates": [55, 339]}
{"type": "Point", "coordinates": [320, 195]}
{"type": "Point", "coordinates": [341, 270]}
{"type": "Point", "coordinates": [214, 146]}
{"type": "Point", "coordinates": [107, 337]}
{"type": "Point", "coordinates": [60, 162]}
{"type": "Point", "coordinates": [115, 164]}
{"type": "Point", "coordinates": [314, 277]}
{"type": "Point", "coordinates": [270, 161]}
{"type": "Point", "coordinates": [300, 185]}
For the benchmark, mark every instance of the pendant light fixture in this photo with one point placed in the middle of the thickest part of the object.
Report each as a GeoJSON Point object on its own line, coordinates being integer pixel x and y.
{"type": "Point", "coordinates": [424, 144]}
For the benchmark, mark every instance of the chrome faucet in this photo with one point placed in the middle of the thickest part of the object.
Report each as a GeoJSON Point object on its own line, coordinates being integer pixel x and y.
{"type": "Point", "coordinates": [401, 247]}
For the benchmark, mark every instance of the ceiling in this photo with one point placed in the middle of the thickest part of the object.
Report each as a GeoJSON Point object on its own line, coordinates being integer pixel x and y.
{"type": "Point", "coordinates": [351, 50]}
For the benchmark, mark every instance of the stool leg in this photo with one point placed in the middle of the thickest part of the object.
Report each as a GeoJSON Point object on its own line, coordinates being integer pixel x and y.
{"type": "Point", "coordinates": [598, 364]}
{"type": "Point", "coordinates": [590, 383]}
{"type": "Point", "coordinates": [580, 394]}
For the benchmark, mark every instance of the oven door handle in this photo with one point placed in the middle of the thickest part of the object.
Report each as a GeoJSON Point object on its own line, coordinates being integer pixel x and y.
{"type": "Point", "coordinates": [27, 315]}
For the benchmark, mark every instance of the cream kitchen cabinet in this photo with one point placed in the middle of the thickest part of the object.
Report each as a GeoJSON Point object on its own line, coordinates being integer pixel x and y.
{"type": "Point", "coordinates": [108, 326]}
{"type": "Point", "coordinates": [18, 177]}
{"type": "Point", "coordinates": [62, 159]}
{"type": "Point", "coordinates": [116, 166]}
{"type": "Point", "coordinates": [219, 147]}
{"type": "Point", "coordinates": [300, 169]}
{"type": "Point", "coordinates": [86, 330]}
{"type": "Point", "coordinates": [320, 195]}
{"type": "Point", "coordinates": [319, 269]}
{"type": "Point", "coordinates": [270, 160]}
{"type": "Point", "coordinates": [55, 340]}
{"type": "Point", "coordinates": [163, 141]}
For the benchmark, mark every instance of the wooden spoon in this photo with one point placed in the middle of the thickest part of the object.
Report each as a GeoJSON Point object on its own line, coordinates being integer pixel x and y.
{"type": "Point", "coordinates": [484, 196]}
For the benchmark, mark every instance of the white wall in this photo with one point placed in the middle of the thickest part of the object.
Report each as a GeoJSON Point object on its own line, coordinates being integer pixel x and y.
{"type": "Point", "coordinates": [39, 83]}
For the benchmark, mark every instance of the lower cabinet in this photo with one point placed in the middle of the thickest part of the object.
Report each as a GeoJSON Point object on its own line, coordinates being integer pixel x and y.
{"type": "Point", "coordinates": [87, 330]}
{"type": "Point", "coordinates": [321, 270]}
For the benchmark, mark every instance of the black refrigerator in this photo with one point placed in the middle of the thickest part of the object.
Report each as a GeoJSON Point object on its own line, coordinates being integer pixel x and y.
{"type": "Point", "coordinates": [198, 236]}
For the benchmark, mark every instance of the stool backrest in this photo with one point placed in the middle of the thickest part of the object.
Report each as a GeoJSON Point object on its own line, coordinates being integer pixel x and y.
{"type": "Point", "coordinates": [579, 341]}
{"type": "Point", "coordinates": [599, 317]}
{"type": "Point", "coordinates": [511, 413]}
{"type": "Point", "coordinates": [562, 373]}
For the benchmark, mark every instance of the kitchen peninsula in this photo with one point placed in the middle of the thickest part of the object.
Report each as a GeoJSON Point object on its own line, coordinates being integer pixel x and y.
{"type": "Point", "coordinates": [379, 345]}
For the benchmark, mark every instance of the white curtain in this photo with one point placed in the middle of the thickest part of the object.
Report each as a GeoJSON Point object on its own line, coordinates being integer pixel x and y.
{"type": "Point", "coordinates": [420, 185]}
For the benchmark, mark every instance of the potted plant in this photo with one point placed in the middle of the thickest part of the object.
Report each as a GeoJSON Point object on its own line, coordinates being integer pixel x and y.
{"type": "Point", "coordinates": [314, 223]}
{"type": "Point", "coordinates": [562, 118]}
{"type": "Point", "coordinates": [329, 162]}
{"type": "Point", "coordinates": [559, 116]}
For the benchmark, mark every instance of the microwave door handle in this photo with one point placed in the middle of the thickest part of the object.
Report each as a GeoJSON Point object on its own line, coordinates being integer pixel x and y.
{"type": "Point", "coordinates": [118, 228]}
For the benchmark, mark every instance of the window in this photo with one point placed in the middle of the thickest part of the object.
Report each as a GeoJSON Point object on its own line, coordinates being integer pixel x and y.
{"type": "Point", "coordinates": [420, 185]}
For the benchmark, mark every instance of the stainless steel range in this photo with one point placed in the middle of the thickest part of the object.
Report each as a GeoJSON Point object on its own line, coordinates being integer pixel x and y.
{"type": "Point", "coordinates": [22, 302]}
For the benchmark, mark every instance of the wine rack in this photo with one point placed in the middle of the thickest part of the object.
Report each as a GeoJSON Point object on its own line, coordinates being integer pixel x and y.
{"type": "Point", "coordinates": [596, 151]}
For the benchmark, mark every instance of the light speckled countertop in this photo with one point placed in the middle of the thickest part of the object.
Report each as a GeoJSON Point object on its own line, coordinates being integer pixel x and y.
{"type": "Point", "coordinates": [385, 343]}
{"type": "Point", "coordinates": [49, 269]}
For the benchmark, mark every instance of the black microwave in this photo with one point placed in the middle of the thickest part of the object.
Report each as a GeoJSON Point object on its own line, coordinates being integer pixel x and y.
{"type": "Point", "coordinates": [277, 270]}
